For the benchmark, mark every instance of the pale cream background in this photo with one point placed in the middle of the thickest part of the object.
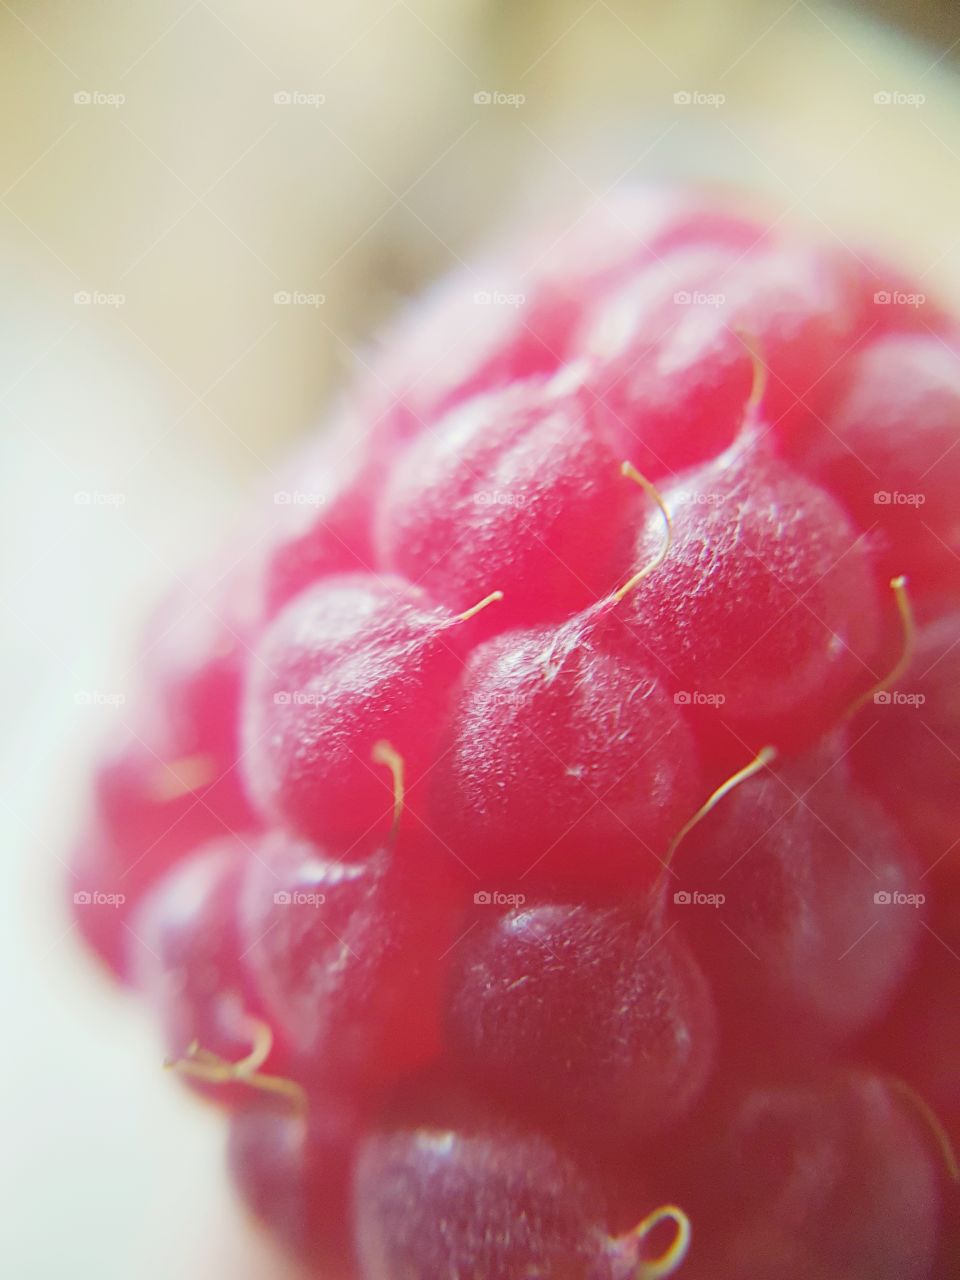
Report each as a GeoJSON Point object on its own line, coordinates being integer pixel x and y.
{"type": "Point", "coordinates": [198, 199]}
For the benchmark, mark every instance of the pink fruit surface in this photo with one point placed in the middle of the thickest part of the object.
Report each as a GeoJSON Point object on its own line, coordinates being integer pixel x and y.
{"type": "Point", "coordinates": [544, 845]}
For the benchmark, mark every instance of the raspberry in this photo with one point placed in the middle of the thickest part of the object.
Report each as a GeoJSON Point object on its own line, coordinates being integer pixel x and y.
{"type": "Point", "coordinates": [672, 379]}
{"type": "Point", "coordinates": [805, 947]}
{"type": "Point", "coordinates": [345, 957]}
{"type": "Point", "coordinates": [150, 812]}
{"type": "Point", "coordinates": [525, 840]}
{"type": "Point", "coordinates": [766, 604]}
{"type": "Point", "coordinates": [477, 1197]}
{"type": "Point", "coordinates": [502, 492]}
{"type": "Point", "coordinates": [325, 509]}
{"type": "Point", "coordinates": [346, 653]}
{"type": "Point", "coordinates": [293, 1170]}
{"type": "Point", "coordinates": [916, 1042]}
{"type": "Point", "coordinates": [183, 953]}
{"type": "Point", "coordinates": [909, 742]}
{"type": "Point", "coordinates": [904, 483]}
{"type": "Point", "coordinates": [836, 1176]}
{"type": "Point", "coordinates": [568, 743]}
{"type": "Point", "coordinates": [598, 1018]}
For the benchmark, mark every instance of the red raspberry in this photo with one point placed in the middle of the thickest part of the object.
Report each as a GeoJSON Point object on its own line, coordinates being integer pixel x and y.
{"type": "Point", "coordinates": [564, 739]}
{"type": "Point", "coordinates": [293, 1170]}
{"type": "Point", "coordinates": [525, 839]}
{"type": "Point", "coordinates": [346, 957]}
{"type": "Point", "coordinates": [908, 744]}
{"type": "Point", "coordinates": [766, 605]}
{"type": "Point", "coordinates": [503, 494]}
{"type": "Point", "coordinates": [884, 446]}
{"type": "Point", "coordinates": [347, 653]}
{"type": "Point", "coordinates": [828, 1177]}
{"type": "Point", "coordinates": [803, 947]}
{"type": "Point", "coordinates": [476, 1196]}
{"type": "Point", "coordinates": [597, 1019]}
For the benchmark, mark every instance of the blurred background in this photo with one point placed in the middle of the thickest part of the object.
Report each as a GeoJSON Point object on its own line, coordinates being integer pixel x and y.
{"type": "Point", "coordinates": [207, 208]}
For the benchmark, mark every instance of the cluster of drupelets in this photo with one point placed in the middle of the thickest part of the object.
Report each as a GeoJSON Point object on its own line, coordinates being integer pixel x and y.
{"type": "Point", "coordinates": [522, 841]}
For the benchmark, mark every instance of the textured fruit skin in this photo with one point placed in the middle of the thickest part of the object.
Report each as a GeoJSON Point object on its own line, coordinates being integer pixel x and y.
{"type": "Point", "coordinates": [350, 661]}
{"type": "Point", "coordinates": [910, 757]}
{"type": "Point", "coordinates": [592, 1017]}
{"type": "Point", "coordinates": [183, 948]}
{"type": "Point", "coordinates": [346, 958]}
{"type": "Point", "coordinates": [882, 444]}
{"type": "Point", "coordinates": [502, 492]}
{"type": "Point", "coordinates": [833, 1176]}
{"type": "Point", "coordinates": [517, 850]}
{"type": "Point", "coordinates": [571, 745]}
{"type": "Point", "coordinates": [802, 950]}
{"type": "Point", "coordinates": [767, 600]}
{"type": "Point", "coordinates": [293, 1174]}
{"type": "Point", "coordinates": [416, 1195]}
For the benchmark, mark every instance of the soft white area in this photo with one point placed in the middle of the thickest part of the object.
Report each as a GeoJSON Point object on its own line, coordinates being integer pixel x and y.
{"type": "Point", "coordinates": [108, 1170]}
